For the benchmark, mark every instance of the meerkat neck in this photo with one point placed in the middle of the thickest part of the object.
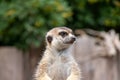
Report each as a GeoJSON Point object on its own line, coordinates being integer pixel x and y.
{"type": "Point", "coordinates": [51, 48]}
{"type": "Point", "coordinates": [56, 52]}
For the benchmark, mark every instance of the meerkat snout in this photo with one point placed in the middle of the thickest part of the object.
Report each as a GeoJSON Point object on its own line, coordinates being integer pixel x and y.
{"type": "Point", "coordinates": [72, 39]}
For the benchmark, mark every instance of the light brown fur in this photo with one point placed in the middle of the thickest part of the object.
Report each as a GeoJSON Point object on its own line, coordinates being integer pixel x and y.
{"type": "Point", "coordinates": [58, 62]}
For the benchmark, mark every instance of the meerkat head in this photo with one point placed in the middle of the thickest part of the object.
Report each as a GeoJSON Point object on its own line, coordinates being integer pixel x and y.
{"type": "Point", "coordinates": [60, 38]}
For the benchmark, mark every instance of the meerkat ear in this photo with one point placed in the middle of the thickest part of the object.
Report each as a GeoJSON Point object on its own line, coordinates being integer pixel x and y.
{"type": "Point", "coordinates": [49, 39]}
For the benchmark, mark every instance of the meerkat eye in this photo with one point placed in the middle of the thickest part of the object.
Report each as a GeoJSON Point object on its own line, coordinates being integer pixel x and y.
{"type": "Point", "coordinates": [63, 34]}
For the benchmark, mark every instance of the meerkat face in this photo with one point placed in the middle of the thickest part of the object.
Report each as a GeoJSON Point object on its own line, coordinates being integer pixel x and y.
{"type": "Point", "coordinates": [60, 38]}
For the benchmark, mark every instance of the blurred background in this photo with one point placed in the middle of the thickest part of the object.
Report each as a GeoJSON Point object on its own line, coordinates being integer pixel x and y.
{"type": "Point", "coordinates": [24, 23]}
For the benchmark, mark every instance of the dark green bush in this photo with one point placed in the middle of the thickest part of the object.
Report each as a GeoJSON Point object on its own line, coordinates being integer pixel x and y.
{"type": "Point", "coordinates": [25, 22]}
{"type": "Point", "coordinates": [96, 14]}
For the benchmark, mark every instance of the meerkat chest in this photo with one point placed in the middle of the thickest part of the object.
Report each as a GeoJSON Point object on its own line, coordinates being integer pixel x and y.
{"type": "Point", "coordinates": [59, 69]}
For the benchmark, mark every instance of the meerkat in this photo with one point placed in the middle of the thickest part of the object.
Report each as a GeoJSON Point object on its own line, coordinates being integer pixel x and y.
{"type": "Point", "coordinates": [57, 62]}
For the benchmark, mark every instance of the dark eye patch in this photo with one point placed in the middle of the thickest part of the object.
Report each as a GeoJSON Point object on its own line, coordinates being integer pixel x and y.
{"type": "Point", "coordinates": [63, 33]}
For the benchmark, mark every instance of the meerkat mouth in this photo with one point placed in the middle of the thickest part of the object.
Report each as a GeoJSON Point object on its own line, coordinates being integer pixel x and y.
{"type": "Point", "coordinates": [71, 41]}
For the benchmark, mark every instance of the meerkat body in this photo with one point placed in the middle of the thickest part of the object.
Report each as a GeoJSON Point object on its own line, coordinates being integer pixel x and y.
{"type": "Point", "coordinates": [57, 62]}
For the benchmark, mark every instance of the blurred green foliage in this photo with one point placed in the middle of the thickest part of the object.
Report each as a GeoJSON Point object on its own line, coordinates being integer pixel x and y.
{"type": "Point", "coordinates": [25, 22]}
{"type": "Point", "coordinates": [95, 14]}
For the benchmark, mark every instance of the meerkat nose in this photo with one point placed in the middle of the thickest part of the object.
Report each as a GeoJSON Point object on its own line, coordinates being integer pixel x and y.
{"type": "Point", "coordinates": [73, 39]}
